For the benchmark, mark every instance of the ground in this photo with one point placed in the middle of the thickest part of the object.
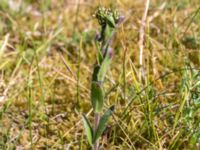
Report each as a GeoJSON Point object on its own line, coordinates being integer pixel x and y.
{"type": "Point", "coordinates": [47, 55]}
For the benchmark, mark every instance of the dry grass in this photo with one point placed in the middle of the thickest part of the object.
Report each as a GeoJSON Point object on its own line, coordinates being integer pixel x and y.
{"type": "Point", "coordinates": [47, 52]}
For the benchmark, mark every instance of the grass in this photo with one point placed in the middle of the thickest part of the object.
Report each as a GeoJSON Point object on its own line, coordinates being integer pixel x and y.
{"type": "Point", "coordinates": [47, 52]}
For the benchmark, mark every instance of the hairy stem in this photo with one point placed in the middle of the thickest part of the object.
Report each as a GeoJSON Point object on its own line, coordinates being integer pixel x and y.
{"type": "Point", "coordinates": [96, 124]}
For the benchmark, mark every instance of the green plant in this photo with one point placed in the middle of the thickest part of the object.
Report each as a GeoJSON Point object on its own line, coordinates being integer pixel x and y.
{"type": "Point", "coordinates": [109, 20]}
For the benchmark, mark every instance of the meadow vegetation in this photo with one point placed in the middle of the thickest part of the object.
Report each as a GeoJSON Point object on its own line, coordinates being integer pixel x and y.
{"type": "Point", "coordinates": [47, 56]}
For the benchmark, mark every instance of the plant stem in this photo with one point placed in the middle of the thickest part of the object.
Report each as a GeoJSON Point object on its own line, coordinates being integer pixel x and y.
{"type": "Point", "coordinates": [96, 124]}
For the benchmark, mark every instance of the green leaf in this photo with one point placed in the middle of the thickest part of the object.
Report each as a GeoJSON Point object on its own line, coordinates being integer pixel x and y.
{"type": "Point", "coordinates": [104, 66]}
{"type": "Point", "coordinates": [102, 123]}
{"type": "Point", "coordinates": [88, 129]}
{"type": "Point", "coordinates": [110, 21]}
{"type": "Point", "coordinates": [100, 56]}
{"type": "Point", "coordinates": [97, 96]}
{"type": "Point", "coordinates": [95, 73]}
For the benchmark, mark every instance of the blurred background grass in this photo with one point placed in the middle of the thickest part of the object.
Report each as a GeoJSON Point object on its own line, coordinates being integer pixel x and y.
{"type": "Point", "coordinates": [47, 52]}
